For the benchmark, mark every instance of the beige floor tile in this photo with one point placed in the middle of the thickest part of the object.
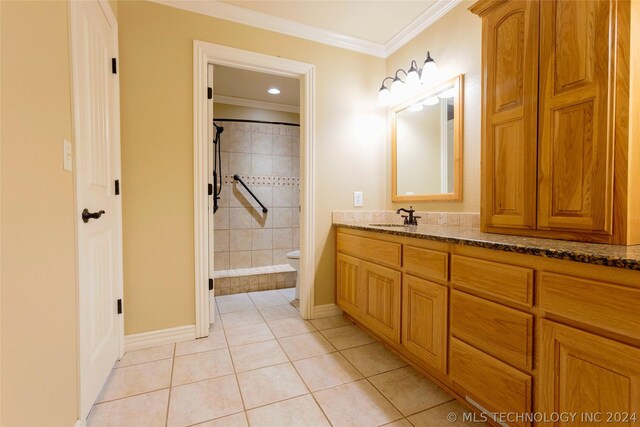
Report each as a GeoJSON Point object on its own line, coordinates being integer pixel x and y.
{"type": "Point", "coordinates": [217, 323]}
{"type": "Point", "coordinates": [136, 379]}
{"type": "Point", "coordinates": [215, 341]}
{"type": "Point", "coordinates": [331, 322]}
{"type": "Point", "coordinates": [201, 366]}
{"type": "Point", "coordinates": [438, 417]}
{"type": "Point", "coordinates": [279, 312]}
{"type": "Point", "coordinates": [327, 370]}
{"type": "Point", "coordinates": [203, 401]}
{"type": "Point", "coordinates": [409, 390]}
{"type": "Point", "coordinates": [300, 411]}
{"type": "Point", "coordinates": [146, 355]}
{"type": "Point", "coordinates": [248, 334]}
{"type": "Point", "coordinates": [268, 385]}
{"type": "Point", "coordinates": [373, 359]}
{"type": "Point", "coordinates": [235, 420]}
{"type": "Point", "coordinates": [305, 345]}
{"type": "Point", "coordinates": [356, 404]}
{"type": "Point", "coordinates": [400, 423]}
{"type": "Point", "coordinates": [257, 355]}
{"type": "Point", "coordinates": [145, 410]}
{"type": "Point", "coordinates": [348, 336]}
{"type": "Point", "coordinates": [268, 298]}
{"type": "Point", "coordinates": [288, 293]}
{"type": "Point", "coordinates": [290, 326]}
{"type": "Point", "coordinates": [236, 302]}
{"type": "Point", "coordinates": [241, 318]}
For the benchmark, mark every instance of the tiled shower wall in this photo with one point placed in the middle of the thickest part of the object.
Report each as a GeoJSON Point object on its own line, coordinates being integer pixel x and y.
{"type": "Point", "coordinates": [267, 158]}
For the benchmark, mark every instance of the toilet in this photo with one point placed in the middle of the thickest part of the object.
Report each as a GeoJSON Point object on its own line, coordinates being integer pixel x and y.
{"type": "Point", "coordinates": [293, 258]}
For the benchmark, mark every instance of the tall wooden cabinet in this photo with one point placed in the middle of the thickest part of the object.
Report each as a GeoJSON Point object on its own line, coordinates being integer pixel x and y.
{"type": "Point", "coordinates": [559, 141]}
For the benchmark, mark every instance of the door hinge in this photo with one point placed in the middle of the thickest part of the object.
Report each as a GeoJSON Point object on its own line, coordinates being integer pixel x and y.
{"type": "Point", "coordinates": [209, 93]}
{"type": "Point", "coordinates": [120, 306]}
{"type": "Point", "coordinates": [117, 187]}
{"type": "Point", "coordinates": [114, 66]}
{"type": "Point", "coordinates": [210, 189]}
{"type": "Point", "coordinates": [210, 284]}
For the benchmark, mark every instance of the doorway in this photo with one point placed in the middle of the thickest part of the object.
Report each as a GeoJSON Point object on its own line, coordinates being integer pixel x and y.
{"type": "Point", "coordinates": [205, 54]}
{"type": "Point", "coordinates": [254, 161]}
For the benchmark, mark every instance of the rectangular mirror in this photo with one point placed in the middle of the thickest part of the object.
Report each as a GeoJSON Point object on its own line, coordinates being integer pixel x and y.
{"type": "Point", "coordinates": [427, 145]}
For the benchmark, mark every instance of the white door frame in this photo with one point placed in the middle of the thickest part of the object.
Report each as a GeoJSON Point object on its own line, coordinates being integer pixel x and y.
{"type": "Point", "coordinates": [203, 54]}
{"type": "Point", "coordinates": [115, 113]}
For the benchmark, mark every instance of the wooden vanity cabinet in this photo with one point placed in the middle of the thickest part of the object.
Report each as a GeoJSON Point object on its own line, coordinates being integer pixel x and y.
{"type": "Point", "coordinates": [560, 140]}
{"type": "Point", "coordinates": [587, 375]}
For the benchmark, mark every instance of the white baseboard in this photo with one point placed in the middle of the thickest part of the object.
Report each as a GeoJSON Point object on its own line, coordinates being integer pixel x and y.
{"type": "Point", "coordinates": [326, 310]}
{"type": "Point", "coordinates": [160, 337]}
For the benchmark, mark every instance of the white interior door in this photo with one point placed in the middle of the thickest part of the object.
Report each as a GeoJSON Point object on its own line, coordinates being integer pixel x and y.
{"type": "Point", "coordinates": [211, 152]}
{"type": "Point", "coordinates": [97, 141]}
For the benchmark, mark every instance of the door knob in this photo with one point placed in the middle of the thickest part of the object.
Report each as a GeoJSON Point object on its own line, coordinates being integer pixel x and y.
{"type": "Point", "coordinates": [86, 215]}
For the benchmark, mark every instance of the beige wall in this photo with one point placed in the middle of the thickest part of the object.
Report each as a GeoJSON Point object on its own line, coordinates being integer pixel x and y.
{"type": "Point", "coordinates": [226, 111]}
{"type": "Point", "coordinates": [156, 45]}
{"type": "Point", "coordinates": [455, 43]}
{"type": "Point", "coordinates": [39, 378]}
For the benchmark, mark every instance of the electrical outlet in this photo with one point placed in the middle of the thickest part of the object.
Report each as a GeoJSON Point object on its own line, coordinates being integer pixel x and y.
{"type": "Point", "coordinates": [67, 156]}
{"type": "Point", "coordinates": [357, 199]}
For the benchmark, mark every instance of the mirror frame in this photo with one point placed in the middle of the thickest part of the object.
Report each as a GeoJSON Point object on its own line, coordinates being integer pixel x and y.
{"type": "Point", "coordinates": [458, 84]}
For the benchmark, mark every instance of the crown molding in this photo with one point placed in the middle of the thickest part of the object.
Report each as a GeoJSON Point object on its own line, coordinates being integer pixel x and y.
{"type": "Point", "coordinates": [252, 103]}
{"type": "Point", "coordinates": [418, 25]}
{"type": "Point", "coordinates": [241, 15]}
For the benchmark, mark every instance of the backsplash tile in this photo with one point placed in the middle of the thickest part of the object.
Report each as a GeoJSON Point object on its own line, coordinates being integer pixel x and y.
{"type": "Point", "coordinates": [445, 219]}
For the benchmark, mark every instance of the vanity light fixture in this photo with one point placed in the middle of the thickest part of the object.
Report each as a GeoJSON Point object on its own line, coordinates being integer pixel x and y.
{"type": "Point", "coordinates": [413, 78]}
{"type": "Point", "coordinates": [273, 91]}
{"type": "Point", "coordinates": [431, 101]}
{"type": "Point", "coordinates": [415, 107]}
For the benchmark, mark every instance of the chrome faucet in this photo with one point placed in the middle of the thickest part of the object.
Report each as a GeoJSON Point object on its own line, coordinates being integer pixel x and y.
{"type": "Point", "coordinates": [409, 219]}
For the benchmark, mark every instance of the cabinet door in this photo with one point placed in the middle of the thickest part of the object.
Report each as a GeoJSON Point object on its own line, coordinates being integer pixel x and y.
{"type": "Point", "coordinates": [585, 374]}
{"type": "Point", "coordinates": [510, 69]}
{"type": "Point", "coordinates": [424, 320]}
{"type": "Point", "coordinates": [348, 279]}
{"type": "Point", "coordinates": [577, 70]}
{"type": "Point", "coordinates": [381, 299]}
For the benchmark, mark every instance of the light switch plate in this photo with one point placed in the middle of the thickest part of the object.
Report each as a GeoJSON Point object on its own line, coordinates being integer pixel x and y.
{"type": "Point", "coordinates": [357, 199]}
{"type": "Point", "coordinates": [68, 156]}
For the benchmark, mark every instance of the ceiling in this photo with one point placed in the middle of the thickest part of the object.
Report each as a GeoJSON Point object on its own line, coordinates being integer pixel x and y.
{"type": "Point", "coordinates": [251, 85]}
{"type": "Point", "coordinates": [373, 27]}
{"type": "Point", "coordinates": [373, 21]}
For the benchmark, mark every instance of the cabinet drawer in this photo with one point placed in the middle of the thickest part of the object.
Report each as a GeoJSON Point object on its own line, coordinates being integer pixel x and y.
{"type": "Point", "coordinates": [603, 305]}
{"type": "Point", "coordinates": [496, 386]}
{"type": "Point", "coordinates": [506, 283]}
{"type": "Point", "coordinates": [375, 250]}
{"type": "Point", "coordinates": [425, 262]}
{"type": "Point", "coordinates": [493, 328]}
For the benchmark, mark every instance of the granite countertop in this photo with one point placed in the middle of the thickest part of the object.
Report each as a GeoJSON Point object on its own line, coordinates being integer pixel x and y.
{"type": "Point", "coordinates": [627, 257]}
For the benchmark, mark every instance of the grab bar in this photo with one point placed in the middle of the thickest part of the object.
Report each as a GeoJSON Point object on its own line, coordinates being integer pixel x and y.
{"type": "Point", "coordinates": [237, 178]}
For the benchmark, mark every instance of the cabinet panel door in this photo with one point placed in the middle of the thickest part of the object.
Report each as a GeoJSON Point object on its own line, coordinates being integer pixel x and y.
{"type": "Point", "coordinates": [381, 299]}
{"type": "Point", "coordinates": [348, 279]}
{"type": "Point", "coordinates": [424, 321]}
{"type": "Point", "coordinates": [577, 69]}
{"type": "Point", "coordinates": [585, 374]}
{"type": "Point", "coordinates": [510, 56]}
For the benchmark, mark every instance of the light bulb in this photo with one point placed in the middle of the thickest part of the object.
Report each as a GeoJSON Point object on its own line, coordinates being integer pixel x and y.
{"type": "Point", "coordinates": [397, 86]}
{"type": "Point", "coordinates": [428, 69]}
{"type": "Point", "coordinates": [384, 97]}
{"type": "Point", "coordinates": [274, 91]}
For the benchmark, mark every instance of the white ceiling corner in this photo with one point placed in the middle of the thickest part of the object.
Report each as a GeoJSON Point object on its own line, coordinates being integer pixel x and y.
{"type": "Point", "coordinates": [422, 22]}
{"type": "Point", "coordinates": [241, 15]}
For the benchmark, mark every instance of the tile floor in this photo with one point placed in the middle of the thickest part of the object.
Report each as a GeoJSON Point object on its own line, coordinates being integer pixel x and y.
{"type": "Point", "coordinates": [262, 365]}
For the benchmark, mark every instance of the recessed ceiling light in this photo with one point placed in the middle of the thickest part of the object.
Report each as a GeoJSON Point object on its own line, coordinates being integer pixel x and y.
{"type": "Point", "coordinates": [274, 91]}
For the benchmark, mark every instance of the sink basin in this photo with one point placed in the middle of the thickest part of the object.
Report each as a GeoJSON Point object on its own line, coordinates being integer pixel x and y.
{"type": "Point", "coordinates": [388, 225]}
